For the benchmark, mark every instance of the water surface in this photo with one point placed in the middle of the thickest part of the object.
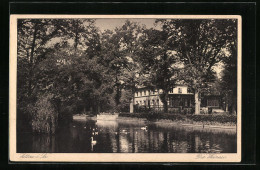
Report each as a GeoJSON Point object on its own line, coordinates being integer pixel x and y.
{"type": "Point", "coordinates": [123, 136]}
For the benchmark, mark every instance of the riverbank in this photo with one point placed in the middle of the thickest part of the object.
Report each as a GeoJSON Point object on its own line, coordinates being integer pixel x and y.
{"type": "Point", "coordinates": [217, 121]}
{"type": "Point", "coordinates": [205, 121]}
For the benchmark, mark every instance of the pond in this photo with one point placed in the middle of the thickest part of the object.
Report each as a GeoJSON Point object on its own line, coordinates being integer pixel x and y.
{"type": "Point", "coordinates": [128, 136]}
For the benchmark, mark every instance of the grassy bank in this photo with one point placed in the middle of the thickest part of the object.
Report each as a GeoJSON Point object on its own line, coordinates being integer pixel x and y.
{"type": "Point", "coordinates": [211, 119]}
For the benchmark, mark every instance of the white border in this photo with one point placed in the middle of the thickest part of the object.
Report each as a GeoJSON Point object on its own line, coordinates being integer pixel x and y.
{"type": "Point", "coordinates": [116, 157]}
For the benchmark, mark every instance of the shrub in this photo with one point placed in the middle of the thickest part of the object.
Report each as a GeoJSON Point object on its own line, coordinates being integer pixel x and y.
{"type": "Point", "coordinates": [225, 118]}
{"type": "Point", "coordinates": [206, 119]}
{"type": "Point", "coordinates": [142, 109]}
{"type": "Point", "coordinates": [44, 116]}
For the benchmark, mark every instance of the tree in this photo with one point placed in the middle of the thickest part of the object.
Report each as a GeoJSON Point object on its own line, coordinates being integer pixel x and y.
{"type": "Point", "coordinates": [33, 38]}
{"type": "Point", "coordinates": [229, 76]}
{"type": "Point", "coordinates": [118, 54]}
{"type": "Point", "coordinates": [200, 44]}
{"type": "Point", "coordinates": [159, 62]}
{"type": "Point", "coordinates": [49, 65]}
{"type": "Point", "coordinates": [131, 76]}
{"type": "Point", "coordinates": [112, 57]}
{"type": "Point", "coordinates": [81, 33]}
{"type": "Point", "coordinates": [76, 69]}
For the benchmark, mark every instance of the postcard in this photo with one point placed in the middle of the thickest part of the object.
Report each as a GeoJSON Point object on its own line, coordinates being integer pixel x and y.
{"type": "Point", "coordinates": [125, 88]}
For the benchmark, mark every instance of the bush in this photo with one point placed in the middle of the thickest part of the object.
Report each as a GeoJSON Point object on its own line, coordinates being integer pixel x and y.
{"type": "Point", "coordinates": [188, 118]}
{"type": "Point", "coordinates": [44, 116]}
{"type": "Point", "coordinates": [142, 109]}
{"type": "Point", "coordinates": [225, 118]}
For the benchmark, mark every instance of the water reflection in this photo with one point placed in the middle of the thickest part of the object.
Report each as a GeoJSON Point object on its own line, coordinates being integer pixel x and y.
{"type": "Point", "coordinates": [128, 137]}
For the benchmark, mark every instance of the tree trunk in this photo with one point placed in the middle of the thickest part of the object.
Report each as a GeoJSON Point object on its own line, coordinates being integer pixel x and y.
{"type": "Point", "coordinates": [98, 108]}
{"type": "Point", "coordinates": [118, 91]}
{"type": "Point", "coordinates": [76, 36]}
{"type": "Point", "coordinates": [226, 109]}
{"type": "Point", "coordinates": [76, 41]}
{"type": "Point", "coordinates": [164, 98]}
{"type": "Point", "coordinates": [118, 95]}
{"type": "Point", "coordinates": [234, 102]}
{"type": "Point", "coordinates": [31, 61]}
{"type": "Point", "coordinates": [132, 103]}
{"type": "Point", "coordinates": [132, 106]}
{"type": "Point", "coordinates": [197, 102]}
{"type": "Point", "coordinates": [234, 105]}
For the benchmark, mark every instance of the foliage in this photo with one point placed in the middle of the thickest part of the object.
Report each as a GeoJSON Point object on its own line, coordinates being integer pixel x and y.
{"type": "Point", "coordinates": [229, 78]}
{"type": "Point", "coordinates": [189, 118]}
{"type": "Point", "coordinates": [200, 44]}
{"type": "Point", "coordinates": [158, 61]}
{"type": "Point", "coordinates": [118, 54]}
{"type": "Point", "coordinates": [49, 64]}
{"type": "Point", "coordinates": [68, 66]}
{"type": "Point", "coordinates": [44, 116]}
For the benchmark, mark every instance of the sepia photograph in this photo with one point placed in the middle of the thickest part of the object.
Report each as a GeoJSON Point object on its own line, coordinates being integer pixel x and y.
{"type": "Point", "coordinates": [119, 88]}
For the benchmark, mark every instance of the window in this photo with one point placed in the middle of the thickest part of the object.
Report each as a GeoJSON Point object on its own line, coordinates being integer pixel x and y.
{"type": "Point", "coordinates": [189, 90]}
{"type": "Point", "coordinates": [179, 90]}
{"type": "Point", "coordinates": [136, 102]}
{"type": "Point", "coordinates": [171, 91]}
{"type": "Point", "coordinates": [136, 93]}
{"type": "Point", "coordinates": [153, 102]}
{"type": "Point", "coordinates": [144, 102]}
{"type": "Point", "coordinates": [145, 92]}
{"type": "Point", "coordinates": [140, 102]}
{"type": "Point", "coordinates": [140, 93]}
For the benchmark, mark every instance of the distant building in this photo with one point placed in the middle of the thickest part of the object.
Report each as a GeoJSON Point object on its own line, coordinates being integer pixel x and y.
{"type": "Point", "coordinates": [180, 98]}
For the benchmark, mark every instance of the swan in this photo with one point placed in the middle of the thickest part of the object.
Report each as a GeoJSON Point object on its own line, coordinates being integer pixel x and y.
{"type": "Point", "coordinates": [144, 128]}
{"type": "Point", "coordinates": [74, 126]}
{"type": "Point", "coordinates": [84, 127]}
{"type": "Point", "coordinates": [93, 142]}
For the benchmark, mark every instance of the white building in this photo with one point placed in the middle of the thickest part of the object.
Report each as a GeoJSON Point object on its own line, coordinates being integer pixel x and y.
{"type": "Point", "coordinates": [180, 98]}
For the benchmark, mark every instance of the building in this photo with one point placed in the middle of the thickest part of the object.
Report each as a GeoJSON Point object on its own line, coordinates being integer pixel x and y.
{"type": "Point", "coordinates": [180, 99]}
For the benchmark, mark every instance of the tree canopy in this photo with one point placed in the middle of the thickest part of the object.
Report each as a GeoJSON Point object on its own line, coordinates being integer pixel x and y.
{"type": "Point", "coordinates": [200, 44]}
{"type": "Point", "coordinates": [77, 68]}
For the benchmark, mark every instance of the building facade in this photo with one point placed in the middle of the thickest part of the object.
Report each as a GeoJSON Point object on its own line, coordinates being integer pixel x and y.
{"type": "Point", "coordinates": [180, 99]}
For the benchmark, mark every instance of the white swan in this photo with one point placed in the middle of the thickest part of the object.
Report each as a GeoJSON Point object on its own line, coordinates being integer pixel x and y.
{"type": "Point", "coordinates": [144, 128]}
{"type": "Point", "coordinates": [93, 142]}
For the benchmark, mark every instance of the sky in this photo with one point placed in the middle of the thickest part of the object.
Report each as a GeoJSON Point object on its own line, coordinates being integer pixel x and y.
{"type": "Point", "coordinates": [111, 24]}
